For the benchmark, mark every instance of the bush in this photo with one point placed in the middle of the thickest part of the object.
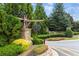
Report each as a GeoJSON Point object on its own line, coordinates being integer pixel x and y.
{"type": "Point", "coordinates": [39, 49]}
{"type": "Point", "coordinates": [44, 36]}
{"type": "Point", "coordinates": [76, 33]}
{"type": "Point", "coordinates": [10, 50]}
{"type": "Point", "coordinates": [37, 41]}
{"type": "Point", "coordinates": [3, 40]}
{"type": "Point", "coordinates": [24, 43]}
{"type": "Point", "coordinates": [69, 32]}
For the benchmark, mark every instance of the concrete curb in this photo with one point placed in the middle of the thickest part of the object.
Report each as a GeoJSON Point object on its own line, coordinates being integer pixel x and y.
{"type": "Point", "coordinates": [49, 52]}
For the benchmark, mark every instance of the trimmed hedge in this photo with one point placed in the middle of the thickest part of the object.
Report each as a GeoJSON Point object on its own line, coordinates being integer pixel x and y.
{"type": "Point", "coordinates": [50, 35]}
{"type": "Point", "coordinates": [3, 40]}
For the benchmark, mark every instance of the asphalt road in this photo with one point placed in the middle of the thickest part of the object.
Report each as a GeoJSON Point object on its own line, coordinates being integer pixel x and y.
{"type": "Point", "coordinates": [65, 47]}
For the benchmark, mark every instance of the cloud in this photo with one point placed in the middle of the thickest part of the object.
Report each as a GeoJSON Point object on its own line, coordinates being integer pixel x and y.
{"type": "Point", "coordinates": [73, 11]}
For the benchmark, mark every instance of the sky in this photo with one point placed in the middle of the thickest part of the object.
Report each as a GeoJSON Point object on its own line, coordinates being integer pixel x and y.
{"type": "Point", "coordinates": [71, 8]}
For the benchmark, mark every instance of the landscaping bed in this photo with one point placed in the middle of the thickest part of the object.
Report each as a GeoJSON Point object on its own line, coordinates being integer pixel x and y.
{"type": "Point", "coordinates": [39, 49]}
{"type": "Point", "coordinates": [35, 50]}
{"type": "Point", "coordinates": [15, 48]}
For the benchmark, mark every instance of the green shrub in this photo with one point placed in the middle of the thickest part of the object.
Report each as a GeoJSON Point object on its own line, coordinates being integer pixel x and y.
{"type": "Point", "coordinates": [39, 49]}
{"type": "Point", "coordinates": [69, 32]}
{"type": "Point", "coordinates": [76, 33]}
{"type": "Point", "coordinates": [36, 40]}
{"type": "Point", "coordinates": [10, 50]}
{"type": "Point", "coordinates": [44, 36]}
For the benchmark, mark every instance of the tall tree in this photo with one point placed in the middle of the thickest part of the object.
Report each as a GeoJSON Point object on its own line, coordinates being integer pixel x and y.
{"type": "Point", "coordinates": [40, 14]}
{"type": "Point", "coordinates": [19, 9]}
{"type": "Point", "coordinates": [75, 26]}
{"type": "Point", "coordinates": [59, 19]}
{"type": "Point", "coordinates": [9, 27]}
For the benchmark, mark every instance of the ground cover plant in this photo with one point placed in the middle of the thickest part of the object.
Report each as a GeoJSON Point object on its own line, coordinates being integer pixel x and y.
{"type": "Point", "coordinates": [10, 50]}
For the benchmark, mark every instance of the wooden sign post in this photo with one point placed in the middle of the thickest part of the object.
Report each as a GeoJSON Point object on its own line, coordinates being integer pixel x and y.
{"type": "Point", "coordinates": [26, 31]}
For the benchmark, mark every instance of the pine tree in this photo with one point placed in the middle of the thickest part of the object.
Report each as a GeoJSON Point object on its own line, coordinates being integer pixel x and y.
{"type": "Point", "coordinates": [9, 27]}
{"type": "Point", "coordinates": [59, 19]}
{"type": "Point", "coordinates": [40, 14]}
{"type": "Point", "coordinates": [19, 9]}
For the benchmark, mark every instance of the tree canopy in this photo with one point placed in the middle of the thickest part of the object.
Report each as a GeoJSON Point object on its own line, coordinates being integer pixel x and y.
{"type": "Point", "coordinates": [19, 9]}
{"type": "Point", "coordinates": [39, 14]}
{"type": "Point", "coordinates": [59, 19]}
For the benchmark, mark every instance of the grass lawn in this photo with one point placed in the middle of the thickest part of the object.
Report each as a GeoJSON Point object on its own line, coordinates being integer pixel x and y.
{"type": "Point", "coordinates": [71, 38]}
{"type": "Point", "coordinates": [62, 38]}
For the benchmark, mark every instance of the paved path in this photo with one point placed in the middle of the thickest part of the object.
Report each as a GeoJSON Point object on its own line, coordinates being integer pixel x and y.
{"type": "Point", "coordinates": [65, 47]}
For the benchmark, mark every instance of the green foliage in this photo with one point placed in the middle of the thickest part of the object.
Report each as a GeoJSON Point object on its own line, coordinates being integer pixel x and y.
{"type": "Point", "coordinates": [36, 28]}
{"type": "Point", "coordinates": [37, 41]}
{"type": "Point", "coordinates": [3, 40]}
{"type": "Point", "coordinates": [59, 19]}
{"type": "Point", "coordinates": [9, 26]}
{"type": "Point", "coordinates": [69, 32]}
{"type": "Point", "coordinates": [3, 21]}
{"type": "Point", "coordinates": [19, 9]}
{"type": "Point", "coordinates": [13, 27]}
{"type": "Point", "coordinates": [2, 6]}
{"type": "Point", "coordinates": [39, 14]}
{"type": "Point", "coordinates": [75, 26]}
{"type": "Point", "coordinates": [44, 36]}
{"type": "Point", "coordinates": [39, 28]}
{"type": "Point", "coordinates": [76, 33]}
{"type": "Point", "coordinates": [10, 50]}
{"type": "Point", "coordinates": [29, 11]}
